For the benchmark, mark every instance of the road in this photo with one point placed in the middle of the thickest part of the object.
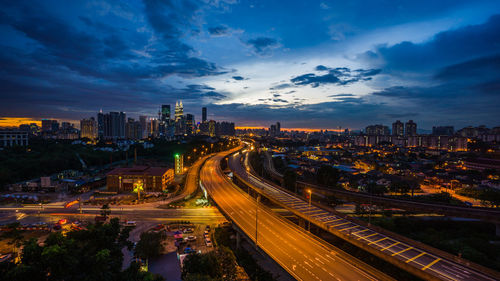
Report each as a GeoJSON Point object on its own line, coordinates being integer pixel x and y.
{"type": "Point", "coordinates": [486, 214]}
{"type": "Point", "coordinates": [299, 253]}
{"type": "Point", "coordinates": [437, 266]}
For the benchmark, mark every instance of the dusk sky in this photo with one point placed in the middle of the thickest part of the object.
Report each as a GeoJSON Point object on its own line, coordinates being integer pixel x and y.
{"type": "Point", "coordinates": [307, 64]}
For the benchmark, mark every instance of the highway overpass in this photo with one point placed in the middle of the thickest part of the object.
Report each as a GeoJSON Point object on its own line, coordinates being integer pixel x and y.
{"type": "Point", "coordinates": [485, 214]}
{"type": "Point", "coordinates": [412, 256]}
{"type": "Point", "coordinates": [301, 254]}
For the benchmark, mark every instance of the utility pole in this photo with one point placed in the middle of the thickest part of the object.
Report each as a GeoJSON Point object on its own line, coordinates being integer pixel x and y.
{"type": "Point", "coordinates": [80, 204]}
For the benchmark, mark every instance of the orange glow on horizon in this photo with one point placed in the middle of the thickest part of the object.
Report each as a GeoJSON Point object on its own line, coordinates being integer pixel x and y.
{"type": "Point", "coordinates": [16, 121]}
{"type": "Point", "coordinates": [289, 129]}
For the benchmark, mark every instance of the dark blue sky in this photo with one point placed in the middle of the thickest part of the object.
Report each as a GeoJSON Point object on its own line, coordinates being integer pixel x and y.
{"type": "Point", "coordinates": [318, 64]}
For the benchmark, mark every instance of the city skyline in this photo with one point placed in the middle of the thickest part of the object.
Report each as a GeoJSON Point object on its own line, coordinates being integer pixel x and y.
{"type": "Point", "coordinates": [342, 65]}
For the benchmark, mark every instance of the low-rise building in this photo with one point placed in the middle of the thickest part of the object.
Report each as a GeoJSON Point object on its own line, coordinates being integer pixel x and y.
{"type": "Point", "coordinates": [153, 179]}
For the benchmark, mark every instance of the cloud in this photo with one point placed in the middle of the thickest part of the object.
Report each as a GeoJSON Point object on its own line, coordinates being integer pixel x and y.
{"type": "Point", "coordinates": [337, 76]}
{"type": "Point", "coordinates": [448, 47]}
{"type": "Point", "coordinates": [340, 95]}
{"type": "Point", "coordinates": [239, 78]}
{"type": "Point", "coordinates": [219, 31]}
{"type": "Point", "coordinates": [263, 46]}
{"type": "Point", "coordinates": [214, 95]}
{"type": "Point", "coordinates": [281, 86]}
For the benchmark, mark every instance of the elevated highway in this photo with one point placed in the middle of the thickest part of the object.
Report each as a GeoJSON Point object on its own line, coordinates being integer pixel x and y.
{"type": "Point", "coordinates": [301, 254]}
{"type": "Point", "coordinates": [485, 214]}
{"type": "Point", "coordinates": [411, 256]}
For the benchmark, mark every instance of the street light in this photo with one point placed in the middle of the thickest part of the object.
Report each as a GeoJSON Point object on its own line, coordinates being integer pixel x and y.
{"type": "Point", "coordinates": [309, 209]}
{"type": "Point", "coordinates": [256, 219]}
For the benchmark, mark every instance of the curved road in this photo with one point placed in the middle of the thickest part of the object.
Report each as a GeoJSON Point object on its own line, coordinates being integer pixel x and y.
{"type": "Point", "coordinates": [437, 266]}
{"type": "Point", "coordinates": [298, 252]}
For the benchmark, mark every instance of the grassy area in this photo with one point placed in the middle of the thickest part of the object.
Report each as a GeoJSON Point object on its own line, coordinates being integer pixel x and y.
{"type": "Point", "coordinates": [470, 239]}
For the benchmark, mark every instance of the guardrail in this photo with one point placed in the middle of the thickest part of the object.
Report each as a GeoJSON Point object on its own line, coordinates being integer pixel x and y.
{"type": "Point", "coordinates": [486, 214]}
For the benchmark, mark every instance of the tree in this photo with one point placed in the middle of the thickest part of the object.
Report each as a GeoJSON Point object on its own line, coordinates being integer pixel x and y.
{"type": "Point", "coordinates": [90, 254]}
{"type": "Point", "coordinates": [290, 180]}
{"type": "Point", "coordinates": [328, 176]}
{"type": "Point", "coordinates": [105, 210]}
{"type": "Point", "coordinates": [375, 189]}
{"type": "Point", "coordinates": [149, 246]}
{"type": "Point", "coordinates": [216, 265]}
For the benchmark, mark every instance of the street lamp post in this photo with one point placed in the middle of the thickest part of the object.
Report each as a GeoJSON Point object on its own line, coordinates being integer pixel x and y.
{"type": "Point", "coordinates": [308, 221]}
{"type": "Point", "coordinates": [256, 219]}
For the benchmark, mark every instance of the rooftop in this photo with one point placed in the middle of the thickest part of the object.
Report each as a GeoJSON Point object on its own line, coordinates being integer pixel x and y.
{"type": "Point", "coordinates": [140, 170]}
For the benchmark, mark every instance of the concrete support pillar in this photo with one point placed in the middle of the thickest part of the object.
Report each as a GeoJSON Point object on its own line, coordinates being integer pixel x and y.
{"type": "Point", "coordinates": [302, 223]}
{"type": "Point", "coordinates": [238, 239]}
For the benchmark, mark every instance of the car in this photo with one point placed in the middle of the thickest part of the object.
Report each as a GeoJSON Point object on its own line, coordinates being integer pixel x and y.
{"type": "Point", "coordinates": [188, 230]}
{"type": "Point", "coordinates": [206, 235]}
{"type": "Point", "coordinates": [159, 227]}
{"type": "Point", "coordinates": [189, 250]}
{"type": "Point", "coordinates": [191, 238]}
{"type": "Point", "coordinates": [208, 242]}
{"type": "Point", "coordinates": [207, 227]}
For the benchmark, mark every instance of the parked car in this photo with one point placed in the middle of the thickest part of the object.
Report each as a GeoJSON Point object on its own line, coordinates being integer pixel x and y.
{"type": "Point", "coordinates": [208, 242]}
{"type": "Point", "coordinates": [191, 238]}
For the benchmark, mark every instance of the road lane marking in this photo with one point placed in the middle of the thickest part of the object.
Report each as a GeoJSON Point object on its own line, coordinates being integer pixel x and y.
{"type": "Point", "coordinates": [402, 251]}
{"type": "Point", "coordinates": [377, 241]}
{"type": "Point", "coordinates": [415, 257]}
{"type": "Point", "coordinates": [390, 246]}
{"type": "Point", "coordinates": [364, 237]}
{"type": "Point", "coordinates": [360, 231]}
{"type": "Point", "coordinates": [431, 264]}
{"type": "Point", "coordinates": [340, 224]}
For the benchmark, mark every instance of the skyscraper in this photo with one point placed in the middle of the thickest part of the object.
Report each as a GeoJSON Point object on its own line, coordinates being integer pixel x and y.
{"type": "Point", "coordinates": [189, 124]}
{"type": "Point", "coordinates": [88, 128]}
{"type": "Point", "coordinates": [410, 128]}
{"type": "Point", "coordinates": [203, 114]}
{"type": "Point", "coordinates": [144, 121]}
{"type": "Point", "coordinates": [398, 128]}
{"type": "Point", "coordinates": [278, 128]}
{"type": "Point", "coordinates": [114, 125]}
{"type": "Point", "coordinates": [165, 112]}
{"type": "Point", "coordinates": [100, 125]}
{"type": "Point", "coordinates": [179, 111]}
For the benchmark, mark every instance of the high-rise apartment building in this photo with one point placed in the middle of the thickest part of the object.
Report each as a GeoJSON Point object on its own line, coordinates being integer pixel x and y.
{"type": "Point", "coordinates": [133, 129]}
{"type": "Point", "coordinates": [398, 128]}
{"type": "Point", "coordinates": [114, 125]}
{"type": "Point", "coordinates": [49, 125]}
{"type": "Point", "coordinates": [190, 124]}
{"type": "Point", "coordinates": [203, 114]}
{"type": "Point", "coordinates": [410, 128]}
{"type": "Point", "coordinates": [88, 128]}
{"type": "Point", "coordinates": [377, 130]}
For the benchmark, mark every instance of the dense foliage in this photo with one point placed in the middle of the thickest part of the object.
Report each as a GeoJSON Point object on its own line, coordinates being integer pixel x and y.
{"type": "Point", "coordinates": [94, 253]}
{"type": "Point", "coordinates": [219, 264]}
{"type": "Point", "coordinates": [328, 176]}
